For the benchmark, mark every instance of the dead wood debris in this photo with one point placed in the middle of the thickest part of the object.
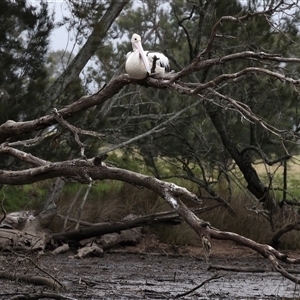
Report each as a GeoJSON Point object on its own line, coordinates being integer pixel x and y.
{"type": "Point", "coordinates": [246, 269]}
{"type": "Point", "coordinates": [25, 296]}
{"type": "Point", "coordinates": [38, 280]}
{"type": "Point", "coordinates": [215, 276]}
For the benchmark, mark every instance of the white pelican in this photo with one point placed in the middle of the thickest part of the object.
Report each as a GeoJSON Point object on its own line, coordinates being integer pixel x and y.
{"type": "Point", "coordinates": [141, 63]}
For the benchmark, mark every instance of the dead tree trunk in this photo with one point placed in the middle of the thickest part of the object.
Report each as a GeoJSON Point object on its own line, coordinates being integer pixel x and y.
{"type": "Point", "coordinates": [24, 231]}
{"type": "Point", "coordinates": [171, 218]}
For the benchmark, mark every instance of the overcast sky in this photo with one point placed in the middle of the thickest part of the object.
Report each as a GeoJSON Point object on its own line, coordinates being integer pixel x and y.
{"type": "Point", "coordinates": [60, 40]}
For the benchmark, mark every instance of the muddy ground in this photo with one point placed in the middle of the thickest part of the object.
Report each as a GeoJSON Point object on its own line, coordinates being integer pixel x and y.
{"type": "Point", "coordinates": [162, 273]}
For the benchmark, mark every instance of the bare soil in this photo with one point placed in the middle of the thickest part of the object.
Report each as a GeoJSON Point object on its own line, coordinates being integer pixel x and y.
{"type": "Point", "coordinates": [160, 272]}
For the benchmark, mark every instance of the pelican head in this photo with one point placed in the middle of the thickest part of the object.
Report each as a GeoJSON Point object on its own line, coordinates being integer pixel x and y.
{"type": "Point", "coordinates": [136, 42]}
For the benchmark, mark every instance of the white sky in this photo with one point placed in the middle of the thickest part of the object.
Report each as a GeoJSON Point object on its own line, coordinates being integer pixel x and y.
{"type": "Point", "coordinates": [60, 39]}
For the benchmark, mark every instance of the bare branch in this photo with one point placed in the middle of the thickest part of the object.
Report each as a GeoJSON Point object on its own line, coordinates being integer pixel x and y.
{"type": "Point", "coordinates": [72, 128]}
{"type": "Point", "coordinates": [26, 157]}
{"type": "Point", "coordinates": [241, 19]}
{"type": "Point", "coordinates": [11, 128]}
{"type": "Point", "coordinates": [84, 170]}
{"type": "Point", "coordinates": [247, 114]}
{"type": "Point", "coordinates": [199, 64]}
{"type": "Point", "coordinates": [157, 128]}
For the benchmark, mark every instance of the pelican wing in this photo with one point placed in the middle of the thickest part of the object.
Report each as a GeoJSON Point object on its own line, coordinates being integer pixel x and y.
{"type": "Point", "coordinates": [162, 60]}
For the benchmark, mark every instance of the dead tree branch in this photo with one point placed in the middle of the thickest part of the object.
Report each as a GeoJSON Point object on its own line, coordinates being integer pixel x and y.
{"type": "Point", "coordinates": [39, 280]}
{"type": "Point", "coordinates": [282, 231]}
{"type": "Point", "coordinates": [72, 128]}
{"type": "Point", "coordinates": [21, 155]}
{"type": "Point", "coordinates": [47, 295]}
{"type": "Point", "coordinates": [80, 208]}
{"type": "Point", "coordinates": [215, 276]}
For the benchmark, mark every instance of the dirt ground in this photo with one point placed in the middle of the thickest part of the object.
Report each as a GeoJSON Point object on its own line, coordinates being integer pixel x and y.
{"type": "Point", "coordinates": [163, 272]}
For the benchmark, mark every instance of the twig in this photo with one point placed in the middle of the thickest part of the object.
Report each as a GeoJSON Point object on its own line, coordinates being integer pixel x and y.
{"type": "Point", "coordinates": [80, 209]}
{"type": "Point", "coordinates": [215, 276]}
{"type": "Point", "coordinates": [180, 23]}
{"type": "Point", "coordinates": [39, 268]}
{"type": "Point", "coordinates": [70, 208]}
{"type": "Point", "coordinates": [72, 128]}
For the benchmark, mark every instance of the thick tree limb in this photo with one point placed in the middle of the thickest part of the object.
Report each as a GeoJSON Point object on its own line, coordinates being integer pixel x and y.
{"type": "Point", "coordinates": [168, 218]}
{"type": "Point", "coordinates": [82, 170]}
{"type": "Point", "coordinates": [96, 230]}
{"type": "Point", "coordinates": [168, 191]}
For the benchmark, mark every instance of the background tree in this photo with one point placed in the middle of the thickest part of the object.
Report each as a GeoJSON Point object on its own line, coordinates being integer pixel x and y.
{"type": "Point", "coordinates": [24, 44]}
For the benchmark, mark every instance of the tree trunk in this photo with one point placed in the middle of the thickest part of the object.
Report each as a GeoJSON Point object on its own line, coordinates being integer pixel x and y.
{"type": "Point", "coordinates": [255, 186]}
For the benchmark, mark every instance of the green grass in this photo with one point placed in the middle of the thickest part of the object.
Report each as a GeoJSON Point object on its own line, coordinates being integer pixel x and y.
{"type": "Point", "coordinates": [25, 197]}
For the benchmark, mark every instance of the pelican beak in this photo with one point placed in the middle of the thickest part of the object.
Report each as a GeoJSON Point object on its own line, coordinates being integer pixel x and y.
{"type": "Point", "coordinates": [143, 55]}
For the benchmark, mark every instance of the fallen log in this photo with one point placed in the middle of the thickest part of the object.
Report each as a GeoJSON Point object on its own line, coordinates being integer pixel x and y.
{"type": "Point", "coordinates": [97, 230]}
{"type": "Point", "coordinates": [169, 217]}
{"type": "Point", "coordinates": [38, 280]}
